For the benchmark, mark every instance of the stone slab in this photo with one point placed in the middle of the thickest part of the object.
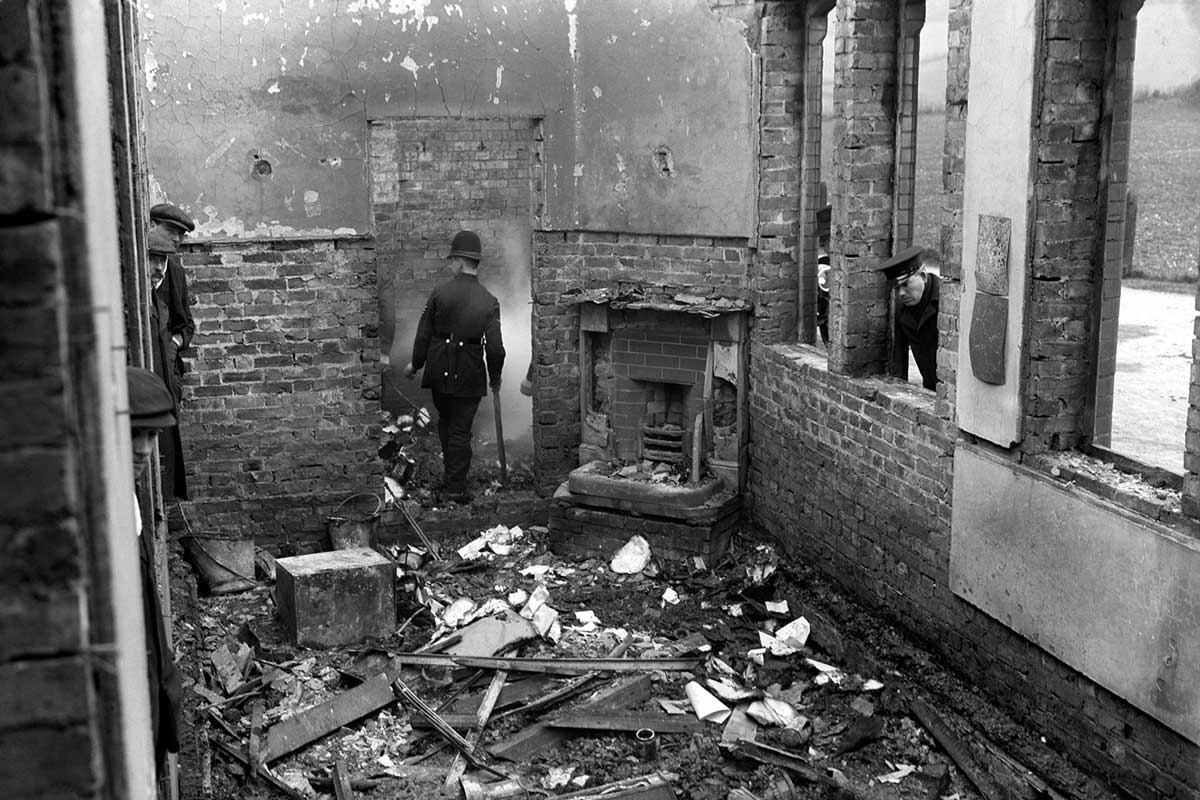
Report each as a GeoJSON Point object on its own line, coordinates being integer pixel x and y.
{"type": "Point", "coordinates": [589, 480]}
{"type": "Point", "coordinates": [1109, 593]}
{"type": "Point", "coordinates": [336, 598]}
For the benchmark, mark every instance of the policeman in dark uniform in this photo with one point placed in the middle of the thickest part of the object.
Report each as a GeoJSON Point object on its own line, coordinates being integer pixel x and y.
{"type": "Point", "coordinates": [918, 293]}
{"type": "Point", "coordinates": [171, 295]}
{"type": "Point", "coordinates": [459, 346]}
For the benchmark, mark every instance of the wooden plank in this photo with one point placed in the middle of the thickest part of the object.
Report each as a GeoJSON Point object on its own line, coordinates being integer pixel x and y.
{"type": "Point", "coordinates": [659, 723]}
{"type": "Point", "coordinates": [255, 744]}
{"type": "Point", "coordinates": [295, 732]}
{"type": "Point", "coordinates": [949, 742]}
{"type": "Point", "coordinates": [551, 666]}
{"type": "Point", "coordinates": [481, 718]}
{"type": "Point", "coordinates": [341, 781]}
{"type": "Point", "coordinates": [539, 737]}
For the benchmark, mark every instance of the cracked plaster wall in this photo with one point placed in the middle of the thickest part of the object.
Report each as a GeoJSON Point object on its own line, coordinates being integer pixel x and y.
{"type": "Point", "coordinates": [257, 110]}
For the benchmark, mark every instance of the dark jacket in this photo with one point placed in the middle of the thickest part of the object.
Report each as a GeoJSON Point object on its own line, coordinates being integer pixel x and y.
{"type": "Point", "coordinates": [458, 340]}
{"type": "Point", "coordinates": [179, 304]}
{"type": "Point", "coordinates": [916, 329]}
{"type": "Point", "coordinates": [168, 366]}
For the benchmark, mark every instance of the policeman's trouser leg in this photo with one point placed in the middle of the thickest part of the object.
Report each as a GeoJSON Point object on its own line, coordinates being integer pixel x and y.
{"type": "Point", "coordinates": [455, 416]}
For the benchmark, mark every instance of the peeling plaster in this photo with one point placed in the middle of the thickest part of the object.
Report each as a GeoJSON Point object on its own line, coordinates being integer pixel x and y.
{"type": "Point", "coordinates": [150, 64]}
{"type": "Point", "coordinates": [316, 71]}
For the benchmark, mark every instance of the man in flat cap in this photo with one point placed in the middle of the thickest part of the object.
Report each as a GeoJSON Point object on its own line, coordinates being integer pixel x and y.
{"type": "Point", "coordinates": [458, 345]}
{"type": "Point", "coordinates": [165, 357]}
{"type": "Point", "coordinates": [151, 410]}
{"type": "Point", "coordinates": [170, 223]}
{"type": "Point", "coordinates": [918, 292]}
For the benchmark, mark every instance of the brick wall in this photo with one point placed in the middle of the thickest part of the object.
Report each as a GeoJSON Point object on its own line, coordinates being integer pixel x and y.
{"type": "Point", "coordinates": [953, 176]}
{"type": "Point", "coordinates": [808, 120]}
{"type": "Point", "coordinates": [854, 474]}
{"type": "Point", "coordinates": [568, 263]}
{"type": "Point", "coordinates": [1115, 129]}
{"type": "Point", "coordinates": [280, 417]}
{"type": "Point", "coordinates": [51, 682]}
{"type": "Point", "coordinates": [1068, 221]}
{"type": "Point", "coordinates": [864, 163]}
{"type": "Point", "coordinates": [774, 269]}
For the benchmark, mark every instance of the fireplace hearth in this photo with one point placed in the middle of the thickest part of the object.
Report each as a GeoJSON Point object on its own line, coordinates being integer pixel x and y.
{"type": "Point", "coordinates": [662, 407]}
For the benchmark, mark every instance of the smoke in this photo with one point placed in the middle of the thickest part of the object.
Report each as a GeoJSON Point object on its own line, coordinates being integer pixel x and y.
{"type": "Point", "coordinates": [505, 272]}
{"type": "Point", "coordinates": [508, 277]}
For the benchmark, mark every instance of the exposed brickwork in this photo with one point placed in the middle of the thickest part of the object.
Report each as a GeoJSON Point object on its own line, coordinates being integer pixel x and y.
{"type": "Point", "coordinates": [1068, 221]}
{"type": "Point", "coordinates": [280, 416]}
{"type": "Point", "coordinates": [864, 133]}
{"type": "Point", "coordinates": [953, 177]}
{"type": "Point", "coordinates": [778, 295]}
{"type": "Point", "coordinates": [1116, 129]}
{"type": "Point", "coordinates": [48, 677]}
{"type": "Point", "coordinates": [566, 263]}
{"type": "Point", "coordinates": [1191, 457]}
{"type": "Point", "coordinates": [911, 21]}
{"type": "Point", "coordinates": [429, 178]}
{"type": "Point", "coordinates": [809, 121]}
{"type": "Point", "coordinates": [854, 476]}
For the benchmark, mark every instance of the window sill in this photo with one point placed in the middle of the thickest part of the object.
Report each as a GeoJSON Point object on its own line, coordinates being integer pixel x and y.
{"type": "Point", "coordinates": [1147, 491]}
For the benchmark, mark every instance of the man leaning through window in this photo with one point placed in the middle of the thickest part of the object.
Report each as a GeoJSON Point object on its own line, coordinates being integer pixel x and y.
{"type": "Point", "coordinates": [918, 292]}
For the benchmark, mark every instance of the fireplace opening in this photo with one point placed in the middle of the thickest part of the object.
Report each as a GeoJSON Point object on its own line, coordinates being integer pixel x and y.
{"type": "Point", "coordinates": [664, 427]}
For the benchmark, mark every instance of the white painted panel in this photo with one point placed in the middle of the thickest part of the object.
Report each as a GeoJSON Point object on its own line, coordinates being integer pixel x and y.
{"type": "Point", "coordinates": [1101, 589]}
{"type": "Point", "coordinates": [999, 111]}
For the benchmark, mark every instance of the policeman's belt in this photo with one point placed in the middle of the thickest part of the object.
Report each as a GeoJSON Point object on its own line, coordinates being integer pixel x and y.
{"type": "Point", "coordinates": [450, 337]}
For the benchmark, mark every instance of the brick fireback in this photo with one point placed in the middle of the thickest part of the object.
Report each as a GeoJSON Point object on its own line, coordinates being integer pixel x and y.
{"type": "Point", "coordinates": [652, 350]}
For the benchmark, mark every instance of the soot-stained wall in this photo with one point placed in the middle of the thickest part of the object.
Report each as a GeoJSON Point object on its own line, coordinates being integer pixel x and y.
{"type": "Point", "coordinates": [258, 110]}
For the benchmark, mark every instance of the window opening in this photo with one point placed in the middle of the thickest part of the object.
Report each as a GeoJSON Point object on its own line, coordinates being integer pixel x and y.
{"type": "Point", "coordinates": [1148, 377]}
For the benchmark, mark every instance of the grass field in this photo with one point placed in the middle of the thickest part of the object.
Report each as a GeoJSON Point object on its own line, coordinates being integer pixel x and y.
{"type": "Point", "coordinates": [1164, 174]}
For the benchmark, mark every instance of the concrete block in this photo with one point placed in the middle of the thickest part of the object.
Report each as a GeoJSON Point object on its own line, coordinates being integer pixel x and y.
{"type": "Point", "coordinates": [335, 598]}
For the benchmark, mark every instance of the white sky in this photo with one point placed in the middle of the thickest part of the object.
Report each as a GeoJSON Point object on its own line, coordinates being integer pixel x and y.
{"type": "Point", "coordinates": [1167, 54]}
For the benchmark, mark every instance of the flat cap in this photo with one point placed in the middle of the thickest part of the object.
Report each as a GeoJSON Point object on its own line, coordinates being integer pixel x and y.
{"type": "Point", "coordinates": [150, 401]}
{"type": "Point", "coordinates": [158, 243]}
{"type": "Point", "coordinates": [903, 264]}
{"type": "Point", "coordinates": [172, 215]}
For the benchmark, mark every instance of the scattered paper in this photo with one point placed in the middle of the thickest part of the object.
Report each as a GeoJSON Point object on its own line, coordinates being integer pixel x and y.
{"type": "Point", "coordinates": [872, 685]}
{"type": "Point", "coordinates": [543, 619]}
{"type": "Point", "coordinates": [537, 599]}
{"type": "Point", "coordinates": [385, 761]}
{"type": "Point", "coordinates": [632, 557]}
{"type": "Point", "coordinates": [706, 707]}
{"type": "Point", "coordinates": [674, 706]}
{"type": "Point", "coordinates": [780, 607]}
{"type": "Point", "coordinates": [795, 633]}
{"type": "Point", "coordinates": [456, 613]}
{"type": "Point", "coordinates": [770, 711]}
{"type": "Point", "coordinates": [518, 598]}
{"type": "Point", "coordinates": [734, 610]}
{"type": "Point", "coordinates": [901, 771]}
{"type": "Point", "coordinates": [730, 691]}
{"type": "Point", "coordinates": [558, 776]}
{"type": "Point", "coordinates": [670, 597]}
{"type": "Point", "coordinates": [536, 570]}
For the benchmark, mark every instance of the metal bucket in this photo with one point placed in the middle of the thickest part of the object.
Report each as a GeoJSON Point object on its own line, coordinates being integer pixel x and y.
{"type": "Point", "coordinates": [349, 530]}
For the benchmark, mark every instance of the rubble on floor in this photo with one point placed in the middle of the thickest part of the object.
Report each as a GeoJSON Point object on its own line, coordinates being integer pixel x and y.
{"type": "Point", "coordinates": [514, 673]}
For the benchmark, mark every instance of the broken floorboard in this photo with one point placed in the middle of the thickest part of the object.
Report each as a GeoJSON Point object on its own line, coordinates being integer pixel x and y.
{"type": "Point", "coordinates": [297, 731]}
{"type": "Point", "coordinates": [539, 737]}
{"type": "Point", "coordinates": [659, 723]}
{"type": "Point", "coordinates": [551, 666]}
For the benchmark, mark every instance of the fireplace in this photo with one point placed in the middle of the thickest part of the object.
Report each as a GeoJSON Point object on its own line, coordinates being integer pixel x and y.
{"type": "Point", "coordinates": [662, 406]}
